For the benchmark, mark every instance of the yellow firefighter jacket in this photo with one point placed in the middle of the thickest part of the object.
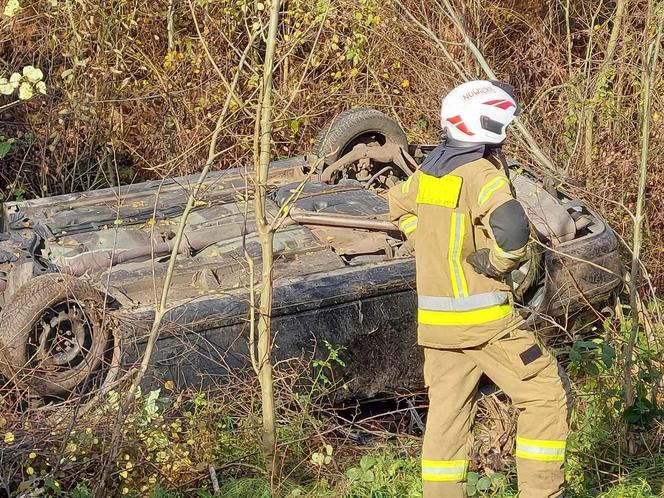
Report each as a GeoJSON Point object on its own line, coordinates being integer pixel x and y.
{"type": "Point", "coordinates": [448, 216]}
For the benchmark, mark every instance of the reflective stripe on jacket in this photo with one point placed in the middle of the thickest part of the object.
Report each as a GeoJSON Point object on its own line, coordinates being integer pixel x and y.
{"type": "Point", "coordinates": [467, 209]}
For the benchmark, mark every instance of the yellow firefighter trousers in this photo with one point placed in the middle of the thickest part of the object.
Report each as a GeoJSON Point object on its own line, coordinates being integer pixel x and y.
{"type": "Point", "coordinates": [530, 376]}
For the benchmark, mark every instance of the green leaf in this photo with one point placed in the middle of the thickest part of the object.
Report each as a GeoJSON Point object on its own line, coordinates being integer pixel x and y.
{"type": "Point", "coordinates": [642, 412]}
{"type": "Point", "coordinates": [471, 490]}
{"type": "Point", "coordinates": [151, 409]}
{"type": "Point", "coordinates": [5, 147]}
{"type": "Point", "coordinates": [484, 484]}
{"type": "Point", "coordinates": [367, 462]}
{"type": "Point", "coordinates": [354, 474]}
{"type": "Point", "coordinates": [358, 474]}
{"type": "Point", "coordinates": [574, 355]}
{"type": "Point", "coordinates": [472, 478]}
{"type": "Point", "coordinates": [585, 345]}
{"type": "Point", "coordinates": [631, 416]}
{"type": "Point", "coordinates": [592, 368]}
{"type": "Point", "coordinates": [153, 395]}
{"type": "Point", "coordinates": [294, 125]}
{"type": "Point", "coordinates": [608, 355]}
{"type": "Point", "coordinates": [368, 476]}
{"type": "Point", "coordinates": [396, 466]}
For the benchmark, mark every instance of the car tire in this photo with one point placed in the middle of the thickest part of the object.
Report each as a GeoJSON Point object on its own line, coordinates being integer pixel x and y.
{"type": "Point", "coordinates": [54, 338]}
{"type": "Point", "coordinates": [353, 127]}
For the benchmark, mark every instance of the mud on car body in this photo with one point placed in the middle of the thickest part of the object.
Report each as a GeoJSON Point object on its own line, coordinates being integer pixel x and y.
{"type": "Point", "coordinates": [78, 272]}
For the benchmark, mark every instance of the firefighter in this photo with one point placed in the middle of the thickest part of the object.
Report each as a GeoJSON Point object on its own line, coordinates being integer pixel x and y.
{"type": "Point", "coordinates": [469, 232]}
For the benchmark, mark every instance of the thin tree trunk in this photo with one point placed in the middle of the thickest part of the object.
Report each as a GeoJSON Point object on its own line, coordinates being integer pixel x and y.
{"type": "Point", "coordinates": [589, 114]}
{"type": "Point", "coordinates": [649, 74]}
{"type": "Point", "coordinates": [170, 26]}
{"type": "Point", "coordinates": [266, 234]}
{"type": "Point", "coordinates": [568, 37]}
{"type": "Point", "coordinates": [264, 348]}
{"type": "Point", "coordinates": [621, 7]}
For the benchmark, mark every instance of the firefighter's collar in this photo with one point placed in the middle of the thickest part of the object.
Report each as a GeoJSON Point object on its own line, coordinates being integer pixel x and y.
{"type": "Point", "coordinates": [446, 158]}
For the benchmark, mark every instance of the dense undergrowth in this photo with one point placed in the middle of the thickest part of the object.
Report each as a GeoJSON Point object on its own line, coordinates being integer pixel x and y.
{"type": "Point", "coordinates": [173, 437]}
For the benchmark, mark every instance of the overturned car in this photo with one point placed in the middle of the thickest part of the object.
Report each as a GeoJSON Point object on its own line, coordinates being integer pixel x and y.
{"type": "Point", "coordinates": [80, 273]}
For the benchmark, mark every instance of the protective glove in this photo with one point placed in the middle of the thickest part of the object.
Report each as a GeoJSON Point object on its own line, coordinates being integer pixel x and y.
{"type": "Point", "coordinates": [481, 263]}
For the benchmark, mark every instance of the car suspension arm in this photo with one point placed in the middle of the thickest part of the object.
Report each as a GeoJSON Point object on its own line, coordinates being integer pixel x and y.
{"type": "Point", "coordinates": [341, 220]}
{"type": "Point", "coordinates": [387, 153]}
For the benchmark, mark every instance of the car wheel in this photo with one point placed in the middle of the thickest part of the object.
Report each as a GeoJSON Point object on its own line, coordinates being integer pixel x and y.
{"type": "Point", "coordinates": [357, 126]}
{"type": "Point", "coordinates": [55, 337]}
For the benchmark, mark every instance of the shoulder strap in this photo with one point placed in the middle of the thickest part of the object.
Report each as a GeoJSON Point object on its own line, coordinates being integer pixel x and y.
{"type": "Point", "coordinates": [498, 159]}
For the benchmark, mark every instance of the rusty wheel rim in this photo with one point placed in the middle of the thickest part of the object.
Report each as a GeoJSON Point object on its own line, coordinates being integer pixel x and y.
{"type": "Point", "coordinates": [61, 338]}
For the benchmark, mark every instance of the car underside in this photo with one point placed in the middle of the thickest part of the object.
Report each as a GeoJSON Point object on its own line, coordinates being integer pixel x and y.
{"type": "Point", "coordinates": [80, 273]}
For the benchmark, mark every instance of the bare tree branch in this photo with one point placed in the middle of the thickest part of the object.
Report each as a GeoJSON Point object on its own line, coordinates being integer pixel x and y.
{"type": "Point", "coordinates": [649, 73]}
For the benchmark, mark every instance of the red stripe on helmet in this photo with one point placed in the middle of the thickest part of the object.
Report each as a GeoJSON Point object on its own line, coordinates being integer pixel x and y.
{"type": "Point", "coordinates": [501, 104]}
{"type": "Point", "coordinates": [506, 105]}
{"type": "Point", "coordinates": [462, 127]}
{"type": "Point", "coordinates": [459, 124]}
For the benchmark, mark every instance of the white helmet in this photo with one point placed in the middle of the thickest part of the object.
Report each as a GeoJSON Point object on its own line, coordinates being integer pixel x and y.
{"type": "Point", "coordinates": [479, 112]}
